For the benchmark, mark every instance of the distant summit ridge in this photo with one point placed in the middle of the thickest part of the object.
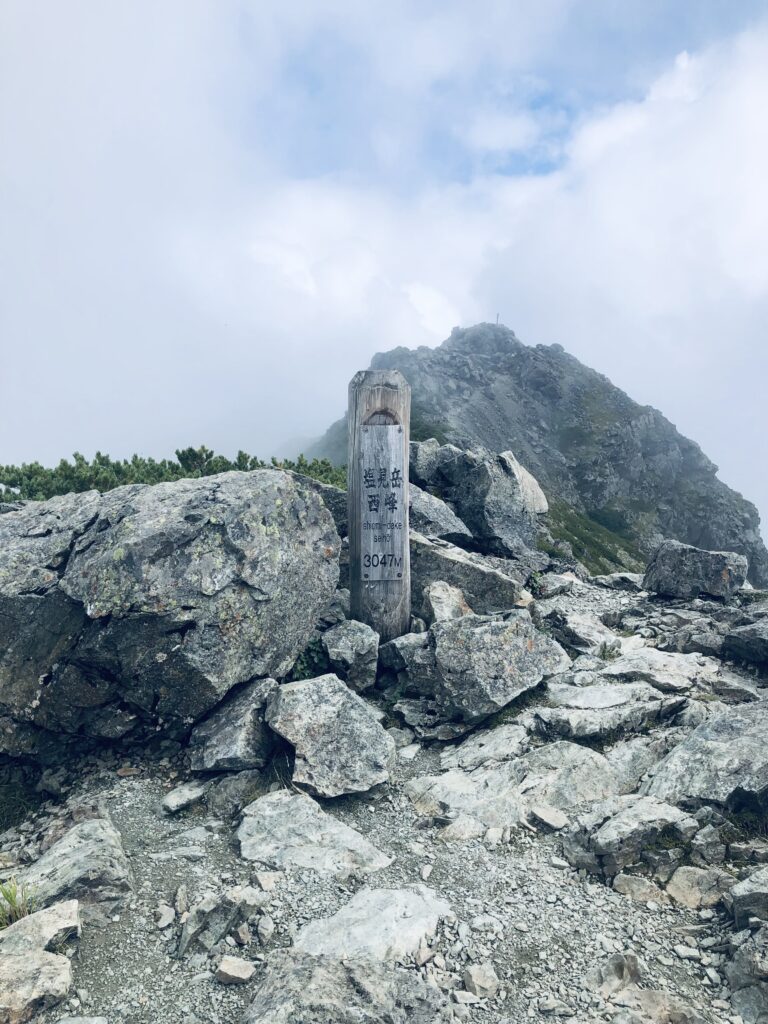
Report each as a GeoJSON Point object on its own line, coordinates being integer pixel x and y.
{"type": "Point", "coordinates": [594, 450]}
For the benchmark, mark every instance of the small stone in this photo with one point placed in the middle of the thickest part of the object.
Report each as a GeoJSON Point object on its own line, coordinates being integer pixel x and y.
{"type": "Point", "coordinates": [686, 952]}
{"type": "Point", "coordinates": [265, 928]}
{"type": "Point", "coordinates": [184, 796]}
{"type": "Point", "coordinates": [164, 916]}
{"type": "Point", "coordinates": [232, 970]}
{"type": "Point", "coordinates": [426, 871]}
{"type": "Point", "coordinates": [267, 880]}
{"type": "Point", "coordinates": [548, 816]}
{"type": "Point", "coordinates": [482, 980]}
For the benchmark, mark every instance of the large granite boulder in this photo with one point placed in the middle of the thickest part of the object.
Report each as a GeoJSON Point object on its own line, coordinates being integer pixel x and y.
{"type": "Point", "coordinates": [341, 747]}
{"type": "Point", "coordinates": [680, 570]}
{"type": "Point", "coordinates": [492, 493]}
{"type": "Point", "coordinates": [299, 987]}
{"type": "Point", "coordinates": [470, 667]}
{"type": "Point", "coordinates": [146, 605]}
{"type": "Point", "coordinates": [749, 642]}
{"type": "Point", "coordinates": [724, 762]}
{"type": "Point", "coordinates": [750, 898]}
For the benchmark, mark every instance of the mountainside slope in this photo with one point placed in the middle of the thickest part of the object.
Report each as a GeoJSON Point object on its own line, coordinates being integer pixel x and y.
{"type": "Point", "coordinates": [592, 448]}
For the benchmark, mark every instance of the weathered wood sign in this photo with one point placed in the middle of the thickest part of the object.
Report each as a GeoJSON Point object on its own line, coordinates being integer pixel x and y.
{"type": "Point", "coordinates": [377, 499]}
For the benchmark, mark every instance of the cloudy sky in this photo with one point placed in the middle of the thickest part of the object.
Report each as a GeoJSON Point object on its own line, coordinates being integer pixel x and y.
{"type": "Point", "coordinates": [213, 212]}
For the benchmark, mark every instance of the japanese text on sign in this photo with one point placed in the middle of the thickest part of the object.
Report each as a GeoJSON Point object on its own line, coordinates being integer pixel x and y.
{"type": "Point", "coordinates": [382, 494]}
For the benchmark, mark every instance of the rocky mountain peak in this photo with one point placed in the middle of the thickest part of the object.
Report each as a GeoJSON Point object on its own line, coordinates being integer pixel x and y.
{"type": "Point", "coordinates": [605, 462]}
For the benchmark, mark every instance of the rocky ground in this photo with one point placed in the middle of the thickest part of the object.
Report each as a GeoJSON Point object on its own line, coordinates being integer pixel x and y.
{"type": "Point", "coordinates": [548, 800]}
{"type": "Point", "coordinates": [543, 936]}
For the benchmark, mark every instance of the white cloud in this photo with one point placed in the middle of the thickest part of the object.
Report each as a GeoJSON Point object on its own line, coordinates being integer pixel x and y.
{"type": "Point", "coordinates": [499, 132]}
{"type": "Point", "coordinates": [168, 277]}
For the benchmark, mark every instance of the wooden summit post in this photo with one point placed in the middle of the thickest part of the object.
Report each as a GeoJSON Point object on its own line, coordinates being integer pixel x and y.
{"type": "Point", "coordinates": [377, 501]}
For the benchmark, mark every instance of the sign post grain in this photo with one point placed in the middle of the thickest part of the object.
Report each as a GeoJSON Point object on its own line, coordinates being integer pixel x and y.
{"type": "Point", "coordinates": [377, 501]}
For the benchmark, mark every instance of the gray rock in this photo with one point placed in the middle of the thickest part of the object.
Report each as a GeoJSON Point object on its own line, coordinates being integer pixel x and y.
{"type": "Point", "coordinates": [442, 602]}
{"type": "Point", "coordinates": [485, 587]}
{"type": "Point", "coordinates": [489, 795]}
{"type": "Point", "coordinates": [88, 863]}
{"type": "Point", "coordinates": [680, 570]}
{"type": "Point", "coordinates": [215, 914]}
{"type": "Point", "coordinates": [233, 970]}
{"type": "Point", "coordinates": [750, 898]}
{"type": "Point", "coordinates": [234, 737]}
{"type": "Point", "coordinates": [563, 775]}
{"type": "Point", "coordinates": [432, 518]}
{"type": "Point", "coordinates": [229, 794]}
{"type": "Point", "coordinates": [567, 775]}
{"type": "Point", "coordinates": [747, 976]}
{"type": "Point", "coordinates": [470, 667]}
{"type": "Point", "coordinates": [503, 743]}
{"type": "Point", "coordinates": [376, 924]}
{"type": "Point", "coordinates": [632, 582]}
{"type": "Point", "coordinates": [668, 672]}
{"type": "Point", "coordinates": [320, 990]}
{"type": "Point", "coordinates": [699, 887]}
{"type": "Point", "coordinates": [580, 632]}
{"type": "Point", "coordinates": [596, 712]}
{"type": "Point", "coordinates": [620, 972]}
{"type": "Point", "coordinates": [353, 652]}
{"type": "Point", "coordinates": [622, 832]}
{"type": "Point", "coordinates": [334, 499]}
{"type": "Point", "coordinates": [34, 973]}
{"type": "Point", "coordinates": [341, 747]}
{"type": "Point", "coordinates": [724, 761]}
{"type": "Point", "coordinates": [180, 798]}
{"type": "Point", "coordinates": [289, 830]}
{"type": "Point", "coordinates": [749, 642]}
{"type": "Point", "coordinates": [147, 604]}
{"type": "Point", "coordinates": [493, 494]}
{"type": "Point", "coordinates": [631, 759]}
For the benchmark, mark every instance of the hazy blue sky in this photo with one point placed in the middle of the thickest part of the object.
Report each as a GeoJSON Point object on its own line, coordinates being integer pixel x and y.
{"type": "Point", "coordinates": [213, 212]}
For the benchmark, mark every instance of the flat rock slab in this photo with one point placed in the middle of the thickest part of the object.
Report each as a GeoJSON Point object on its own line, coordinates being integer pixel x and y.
{"type": "Point", "coordinates": [290, 830]}
{"type": "Point", "coordinates": [341, 747]}
{"type": "Point", "coordinates": [298, 988]}
{"type": "Point", "coordinates": [665, 671]}
{"type": "Point", "coordinates": [504, 743]}
{"type": "Point", "coordinates": [376, 924]}
{"type": "Point", "coordinates": [593, 712]}
{"type": "Point", "coordinates": [724, 761]}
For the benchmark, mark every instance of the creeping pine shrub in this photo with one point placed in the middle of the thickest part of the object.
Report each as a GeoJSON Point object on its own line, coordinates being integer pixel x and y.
{"type": "Point", "coordinates": [16, 901]}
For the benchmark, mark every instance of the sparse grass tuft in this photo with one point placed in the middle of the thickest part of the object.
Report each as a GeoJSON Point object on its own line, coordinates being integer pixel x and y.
{"type": "Point", "coordinates": [16, 901]}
